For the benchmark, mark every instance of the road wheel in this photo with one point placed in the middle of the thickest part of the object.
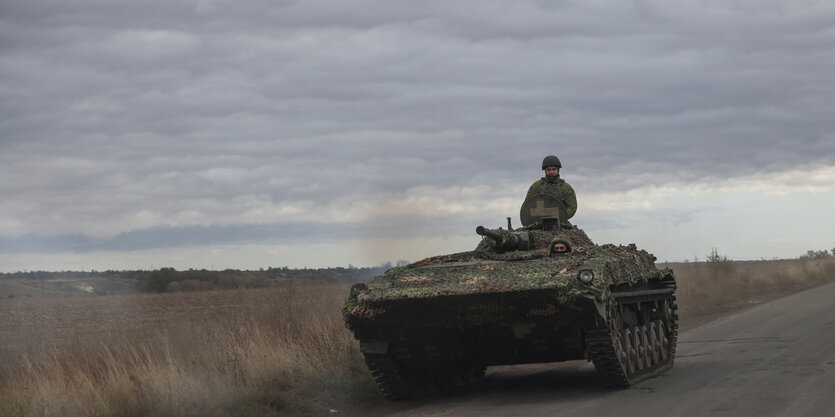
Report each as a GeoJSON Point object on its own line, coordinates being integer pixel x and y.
{"type": "Point", "coordinates": [663, 340]}
{"type": "Point", "coordinates": [626, 341]}
{"type": "Point", "coordinates": [639, 348]}
{"type": "Point", "coordinates": [654, 343]}
{"type": "Point", "coordinates": [646, 346]}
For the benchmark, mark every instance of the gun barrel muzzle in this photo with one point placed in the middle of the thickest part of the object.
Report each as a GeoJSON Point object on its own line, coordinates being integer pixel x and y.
{"type": "Point", "coordinates": [483, 231]}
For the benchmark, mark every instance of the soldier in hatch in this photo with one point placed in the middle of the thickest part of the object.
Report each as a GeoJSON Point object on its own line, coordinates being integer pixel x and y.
{"type": "Point", "coordinates": [552, 184]}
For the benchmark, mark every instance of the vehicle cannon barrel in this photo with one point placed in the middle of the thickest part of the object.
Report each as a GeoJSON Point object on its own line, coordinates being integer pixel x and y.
{"type": "Point", "coordinates": [483, 231]}
{"type": "Point", "coordinates": [504, 241]}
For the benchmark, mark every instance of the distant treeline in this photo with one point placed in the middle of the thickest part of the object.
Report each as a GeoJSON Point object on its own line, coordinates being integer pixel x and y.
{"type": "Point", "coordinates": [171, 280]}
{"type": "Point", "coordinates": [74, 274]}
{"type": "Point", "coordinates": [817, 254]}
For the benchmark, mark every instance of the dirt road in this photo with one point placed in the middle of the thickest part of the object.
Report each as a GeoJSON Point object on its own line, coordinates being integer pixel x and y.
{"type": "Point", "coordinates": [775, 359]}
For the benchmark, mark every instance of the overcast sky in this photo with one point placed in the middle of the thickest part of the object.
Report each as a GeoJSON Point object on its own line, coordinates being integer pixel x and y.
{"type": "Point", "coordinates": [249, 134]}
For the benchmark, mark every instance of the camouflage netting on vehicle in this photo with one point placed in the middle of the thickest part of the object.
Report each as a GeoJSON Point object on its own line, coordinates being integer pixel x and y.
{"type": "Point", "coordinates": [446, 278]}
{"type": "Point", "coordinates": [542, 293]}
{"type": "Point", "coordinates": [480, 271]}
{"type": "Point", "coordinates": [469, 310]}
{"type": "Point", "coordinates": [540, 242]}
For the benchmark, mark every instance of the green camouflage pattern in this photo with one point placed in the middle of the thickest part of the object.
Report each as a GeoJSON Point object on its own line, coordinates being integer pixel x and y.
{"type": "Point", "coordinates": [558, 188]}
{"type": "Point", "coordinates": [465, 277]}
{"type": "Point", "coordinates": [541, 293]}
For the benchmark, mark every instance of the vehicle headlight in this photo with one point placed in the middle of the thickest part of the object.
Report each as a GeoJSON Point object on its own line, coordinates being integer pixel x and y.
{"type": "Point", "coordinates": [586, 276]}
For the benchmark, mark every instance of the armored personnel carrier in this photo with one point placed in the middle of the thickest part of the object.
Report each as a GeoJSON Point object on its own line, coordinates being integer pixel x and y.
{"type": "Point", "coordinates": [540, 293]}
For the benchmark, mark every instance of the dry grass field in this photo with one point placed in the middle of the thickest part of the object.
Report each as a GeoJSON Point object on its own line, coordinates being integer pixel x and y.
{"type": "Point", "coordinates": [276, 351]}
{"type": "Point", "coordinates": [707, 289]}
{"type": "Point", "coordinates": [264, 352]}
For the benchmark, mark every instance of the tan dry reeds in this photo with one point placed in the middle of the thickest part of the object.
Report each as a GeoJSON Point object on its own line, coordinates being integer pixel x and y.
{"type": "Point", "coordinates": [241, 353]}
{"type": "Point", "coordinates": [264, 352]}
{"type": "Point", "coordinates": [720, 286]}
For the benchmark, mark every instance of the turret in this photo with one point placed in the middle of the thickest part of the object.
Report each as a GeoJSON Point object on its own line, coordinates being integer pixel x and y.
{"type": "Point", "coordinates": [504, 241]}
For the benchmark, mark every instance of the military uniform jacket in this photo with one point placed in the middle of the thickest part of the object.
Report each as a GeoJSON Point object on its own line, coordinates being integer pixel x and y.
{"type": "Point", "coordinates": [558, 187]}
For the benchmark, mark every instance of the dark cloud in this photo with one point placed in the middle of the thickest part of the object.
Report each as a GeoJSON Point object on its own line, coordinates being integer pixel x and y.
{"type": "Point", "coordinates": [182, 115]}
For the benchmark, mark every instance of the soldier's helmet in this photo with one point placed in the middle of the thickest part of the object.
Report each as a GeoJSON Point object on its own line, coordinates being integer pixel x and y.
{"type": "Point", "coordinates": [551, 161]}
